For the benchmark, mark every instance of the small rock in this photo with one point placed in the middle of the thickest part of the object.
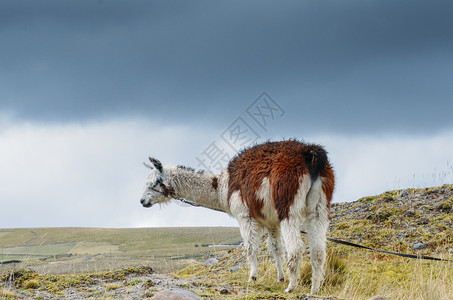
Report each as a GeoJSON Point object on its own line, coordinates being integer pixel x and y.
{"type": "Point", "coordinates": [409, 213]}
{"type": "Point", "coordinates": [157, 281]}
{"type": "Point", "coordinates": [225, 291]}
{"type": "Point", "coordinates": [235, 269]}
{"type": "Point", "coordinates": [377, 298]}
{"type": "Point", "coordinates": [418, 246]}
{"type": "Point", "coordinates": [404, 193]}
{"type": "Point", "coordinates": [211, 261]}
{"type": "Point", "coordinates": [176, 294]}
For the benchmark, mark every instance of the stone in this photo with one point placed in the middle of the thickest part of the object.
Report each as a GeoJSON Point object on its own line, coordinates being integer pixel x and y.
{"type": "Point", "coordinates": [409, 213]}
{"type": "Point", "coordinates": [175, 294]}
{"type": "Point", "coordinates": [418, 246]}
{"type": "Point", "coordinates": [235, 269]}
{"type": "Point", "coordinates": [377, 298]}
{"type": "Point", "coordinates": [404, 193]}
{"type": "Point", "coordinates": [211, 261]}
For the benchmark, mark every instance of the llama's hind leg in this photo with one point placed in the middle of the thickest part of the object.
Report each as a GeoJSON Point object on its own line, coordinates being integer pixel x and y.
{"type": "Point", "coordinates": [318, 223]}
{"type": "Point", "coordinates": [290, 228]}
{"type": "Point", "coordinates": [250, 234]}
{"type": "Point", "coordinates": [274, 245]}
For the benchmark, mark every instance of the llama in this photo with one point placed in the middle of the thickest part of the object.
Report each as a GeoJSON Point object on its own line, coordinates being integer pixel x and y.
{"type": "Point", "coordinates": [280, 187]}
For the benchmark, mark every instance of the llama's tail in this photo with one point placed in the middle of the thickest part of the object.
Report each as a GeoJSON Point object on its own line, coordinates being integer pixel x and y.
{"type": "Point", "coordinates": [316, 159]}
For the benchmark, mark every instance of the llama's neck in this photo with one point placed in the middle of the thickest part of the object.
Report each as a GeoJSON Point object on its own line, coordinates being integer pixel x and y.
{"type": "Point", "coordinates": [201, 188]}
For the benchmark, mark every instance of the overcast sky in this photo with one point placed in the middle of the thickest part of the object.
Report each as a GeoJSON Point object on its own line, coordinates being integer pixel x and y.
{"type": "Point", "coordinates": [90, 89]}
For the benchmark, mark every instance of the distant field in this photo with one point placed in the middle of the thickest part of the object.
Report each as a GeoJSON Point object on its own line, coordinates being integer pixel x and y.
{"type": "Point", "coordinates": [72, 250]}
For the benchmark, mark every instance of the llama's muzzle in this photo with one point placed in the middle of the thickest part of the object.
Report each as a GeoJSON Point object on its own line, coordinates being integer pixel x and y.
{"type": "Point", "coordinates": [145, 203]}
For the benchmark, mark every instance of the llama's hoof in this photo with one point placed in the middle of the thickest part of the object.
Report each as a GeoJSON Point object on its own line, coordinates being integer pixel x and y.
{"type": "Point", "coordinates": [289, 289]}
{"type": "Point", "coordinates": [281, 279]}
{"type": "Point", "coordinates": [314, 291]}
{"type": "Point", "coordinates": [252, 278]}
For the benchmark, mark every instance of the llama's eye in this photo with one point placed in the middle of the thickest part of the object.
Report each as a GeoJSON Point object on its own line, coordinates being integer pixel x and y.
{"type": "Point", "coordinates": [158, 181]}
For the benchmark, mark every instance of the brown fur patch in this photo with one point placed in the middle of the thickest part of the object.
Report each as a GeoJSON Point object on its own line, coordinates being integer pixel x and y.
{"type": "Point", "coordinates": [328, 184]}
{"type": "Point", "coordinates": [167, 190]}
{"type": "Point", "coordinates": [283, 163]}
{"type": "Point", "coordinates": [215, 183]}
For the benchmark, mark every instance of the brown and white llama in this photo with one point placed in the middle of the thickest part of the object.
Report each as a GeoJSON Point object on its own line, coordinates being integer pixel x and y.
{"type": "Point", "coordinates": [281, 187]}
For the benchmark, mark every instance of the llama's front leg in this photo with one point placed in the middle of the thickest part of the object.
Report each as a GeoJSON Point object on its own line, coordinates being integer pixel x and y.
{"type": "Point", "coordinates": [290, 228]}
{"type": "Point", "coordinates": [249, 232]}
{"type": "Point", "coordinates": [274, 246]}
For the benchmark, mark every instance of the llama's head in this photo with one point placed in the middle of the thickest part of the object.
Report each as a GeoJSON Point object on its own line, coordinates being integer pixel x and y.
{"type": "Point", "coordinates": [157, 188]}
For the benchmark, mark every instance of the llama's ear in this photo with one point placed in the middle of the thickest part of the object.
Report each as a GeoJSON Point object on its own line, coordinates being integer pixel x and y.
{"type": "Point", "coordinates": [157, 164]}
{"type": "Point", "coordinates": [148, 166]}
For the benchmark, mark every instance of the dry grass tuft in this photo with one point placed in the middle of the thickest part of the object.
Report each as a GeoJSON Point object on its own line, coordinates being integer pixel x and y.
{"type": "Point", "coordinates": [335, 270]}
{"type": "Point", "coordinates": [7, 294]}
{"type": "Point", "coordinates": [395, 278]}
{"type": "Point", "coordinates": [31, 284]}
{"type": "Point", "coordinates": [113, 286]}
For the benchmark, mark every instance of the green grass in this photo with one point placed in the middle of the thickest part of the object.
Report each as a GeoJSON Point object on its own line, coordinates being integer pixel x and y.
{"type": "Point", "coordinates": [350, 274]}
{"type": "Point", "coordinates": [126, 239]}
{"type": "Point", "coordinates": [42, 250]}
{"type": "Point", "coordinates": [94, 249]}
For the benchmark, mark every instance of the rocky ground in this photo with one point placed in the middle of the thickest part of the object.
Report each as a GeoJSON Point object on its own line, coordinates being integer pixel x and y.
{"type": "Point", "coordinates": [412, 220]}
{"type": "Point", "coordinates": [408, 220]}
{"type": "Point", "coordinates": [130, 283]}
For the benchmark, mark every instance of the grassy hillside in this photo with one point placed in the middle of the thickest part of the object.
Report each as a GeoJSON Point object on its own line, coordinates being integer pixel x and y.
{"type": "Point", "coordinates": [396, 220]}
{"type": "Point", "coordinates": [86, 249]}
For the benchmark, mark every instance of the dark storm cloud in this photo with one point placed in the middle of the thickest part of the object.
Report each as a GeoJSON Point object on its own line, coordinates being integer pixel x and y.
{"type": "Point", "coordinates": [351, 65]}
